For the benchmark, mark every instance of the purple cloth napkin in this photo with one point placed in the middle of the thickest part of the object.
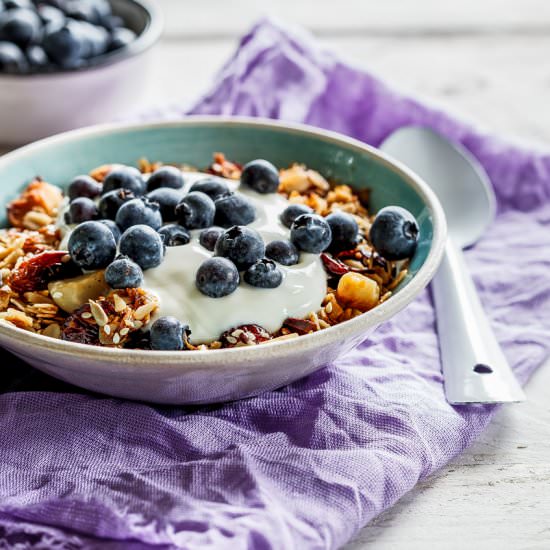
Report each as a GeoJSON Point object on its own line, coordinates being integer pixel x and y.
{"type": "Point", "coordinates": [306, 466]}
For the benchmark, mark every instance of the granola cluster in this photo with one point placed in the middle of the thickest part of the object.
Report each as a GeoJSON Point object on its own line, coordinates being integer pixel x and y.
{"type": "Point", "coordinates": [43, 291]}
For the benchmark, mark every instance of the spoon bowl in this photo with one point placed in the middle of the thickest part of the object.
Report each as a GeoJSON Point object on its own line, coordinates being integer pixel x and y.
{"type": "Point", "coordinates": [460, 183]}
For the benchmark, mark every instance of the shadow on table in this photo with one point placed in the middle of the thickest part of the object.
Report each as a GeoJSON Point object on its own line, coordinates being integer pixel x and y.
{"type": "Point", "coordinates": [17, 376]}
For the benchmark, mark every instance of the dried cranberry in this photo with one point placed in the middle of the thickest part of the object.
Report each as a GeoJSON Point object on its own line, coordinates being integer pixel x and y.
{"type": "Point", "coordinates": [37, 271]}
{"type": "Point", "coordinates": [81, 330]}
{"type": "Point", "coordinates": [334, 266]}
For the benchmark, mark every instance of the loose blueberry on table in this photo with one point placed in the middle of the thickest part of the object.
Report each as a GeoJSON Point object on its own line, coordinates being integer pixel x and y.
{"type": "Point", "coordinates": [45, 36]}
{"type": "Point", "coordinates": [246, 237]}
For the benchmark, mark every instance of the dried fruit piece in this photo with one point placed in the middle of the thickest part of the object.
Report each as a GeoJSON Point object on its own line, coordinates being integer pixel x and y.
{"type": "Point", "coordinates": [244, 335]}
{"type": "Point", "coordinates": [301, 326]}
{"type": "Point", "coordinates": [80, 327]}
{"type": "Point", "coordinates": [334, 266]}
{"type": "Point", "coordinates": [70, 294]}
{"type": "Point", "coordinates": [36, 272]}
{"type": "Point", "coordinates": [39, 196]}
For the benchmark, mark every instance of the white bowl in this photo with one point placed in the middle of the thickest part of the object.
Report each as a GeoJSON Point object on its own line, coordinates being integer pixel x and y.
{"type": "Point", "coordinates": [227, 374]}
{"type": "Point", "coordinates": [34, 106]}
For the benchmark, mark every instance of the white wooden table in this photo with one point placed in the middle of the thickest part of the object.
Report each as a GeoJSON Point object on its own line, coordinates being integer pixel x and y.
{"type": "Point", "coordinates": [490, 60]}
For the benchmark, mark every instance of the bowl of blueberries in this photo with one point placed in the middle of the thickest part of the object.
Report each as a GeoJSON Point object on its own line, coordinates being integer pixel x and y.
{"type": "Point", "coordinates": [65, 64]}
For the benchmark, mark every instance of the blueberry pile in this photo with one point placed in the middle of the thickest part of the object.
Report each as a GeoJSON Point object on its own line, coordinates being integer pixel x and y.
{"type": "Point", "coordinates": [48, 35]}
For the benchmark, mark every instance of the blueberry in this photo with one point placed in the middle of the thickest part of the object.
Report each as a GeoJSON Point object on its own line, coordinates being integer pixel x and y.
{"type": "Point", "coordinates": [123, 273]}
{"type": "Point", "coordinates": [261, 176]}
{"type": "Point", "coordinates": [166, 176]}
{"type": "Point", "coordinates": [167, 199]}
{"type": "Point", "coordinates": [110, 202]}
{"type": "Point", "coordinates": [209, 237]}
{"type": "Point", "coordinates": [217, 277]}
{"type": "Point", "coordinates": [143, 245]}
{"type": "Point", "coordinates": [90, 11]}
{"type": "Point", "coordinates": [213, 187]}
{"type": "Point", "coordinates": [113, 227]}
{"type": "Point", "coordinates": [234, 209]}
{"type": "Point", "coordinates": [283, 252]}
{"type": "Point", "coordinates": [20, 26]}
{"type": "Point", "coordinates": [52, 18]}
{"type": "Point", "coordinates": [196, 211]}
{"type": "Point", "coordinates": [12, 59]}
{"type": "Point", "coordinates": [84, 186]}
{"type": "Point", "coordinates": [36, 56]}
{"type": "Point", "coordinates": [169, 334]}
{"type": "Point", "coordinates": [95, 40]}
{"type": "Point", "coordinates": [242, 245]}
{"type": "Point", "coordinates": [92, 245]}
{"type": "Point", "coordinates": [112, 22]}
{"type": "Point", "coordinates": [310, 233]}
{"type": "Point", "coordinates": [290, 213]}
{"type": "Point", "coordinates": [125, 177]}
{"type": "Point", "coordinates": [120, 38]}
{"type": "Point", "coordinates": [14, 4]}
{"type": "Point", "coordinates": [345, 231]}
{"type": "Point", "coordinates": [264, 274]}
{"type": "Point", "coordinates": [140, 211]}
{"type": "Point", "coordinates": [394, 233]}
{"type": "Point", "coordinates": [174, 234]}
{"type": "Point", "coordinates": [65, 46]}
{"type": "Point", "coordinates": [83, 209]}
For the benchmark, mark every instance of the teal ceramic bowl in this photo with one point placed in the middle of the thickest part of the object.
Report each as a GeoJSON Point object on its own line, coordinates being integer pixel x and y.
{"type": "Point", "coordinates": [211, 376]}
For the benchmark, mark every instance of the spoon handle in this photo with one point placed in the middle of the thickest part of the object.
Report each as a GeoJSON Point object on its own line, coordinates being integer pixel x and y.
{"type": "Point", "coordinates": [474, 367]}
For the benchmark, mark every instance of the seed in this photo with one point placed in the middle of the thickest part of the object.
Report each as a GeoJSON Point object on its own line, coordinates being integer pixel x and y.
{"type": "Point", "coordinates": [231, 340]}
{"type": "Point", "coordinates": [116, 339]}
{"type": "Point", "coordinates": [99, 315]}
{"type": "Point", "coordinates": [86, 315]}
{"type": "Point", "coordinates": [120, 304]}
{"type": "Point", "coordinates": [124, 331]}
{"type": "Point", "coordinates": [144, 310]}
{"type": "Point", "coordinates": [107, 329]}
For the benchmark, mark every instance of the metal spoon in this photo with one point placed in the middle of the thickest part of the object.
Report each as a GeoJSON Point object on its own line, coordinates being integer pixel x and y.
{"type": "Point", "coordinates": [474, 367]}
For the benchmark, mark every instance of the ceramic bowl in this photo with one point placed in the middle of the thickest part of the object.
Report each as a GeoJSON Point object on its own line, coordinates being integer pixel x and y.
{"type": "Point", "coordinates": [220, 375]}
{"type": "Point", "coordinates": [34, 106]}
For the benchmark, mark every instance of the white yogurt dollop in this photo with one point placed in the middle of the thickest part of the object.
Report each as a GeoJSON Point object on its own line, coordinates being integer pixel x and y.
{"type": "Point", "coordinates": [303, 288]}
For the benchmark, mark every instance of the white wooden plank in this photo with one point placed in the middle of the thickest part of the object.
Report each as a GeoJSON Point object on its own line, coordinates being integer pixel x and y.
{"type": "Point", "coordinates": [208, 18]}
{"type": "Point", "coordinates": [495, 495]}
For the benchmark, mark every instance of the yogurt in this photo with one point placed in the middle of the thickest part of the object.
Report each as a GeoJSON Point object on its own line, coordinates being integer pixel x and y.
{"type": "Point", "coordinates": [302, 291]}
{"type": "Point", "coordinates": [303, 288]}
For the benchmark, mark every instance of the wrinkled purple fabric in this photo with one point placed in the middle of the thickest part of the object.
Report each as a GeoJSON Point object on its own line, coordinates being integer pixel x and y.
{"type": "Point", "coordinates": [306, 466]}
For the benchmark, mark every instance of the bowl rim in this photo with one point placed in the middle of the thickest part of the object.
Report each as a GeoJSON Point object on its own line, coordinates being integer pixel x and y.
{"type": "Point", "coordinates": [305, 343]}
{"type": "Point", "coordinates": [144, 41]}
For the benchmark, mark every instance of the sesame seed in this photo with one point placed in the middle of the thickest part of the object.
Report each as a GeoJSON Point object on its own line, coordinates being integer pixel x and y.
{"type": "Point", "coordinates": [107, 329]}
{"type": "Point", "coordinates": [86, 315]}
{"type": "Point", "coordinates": [116, 339]}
